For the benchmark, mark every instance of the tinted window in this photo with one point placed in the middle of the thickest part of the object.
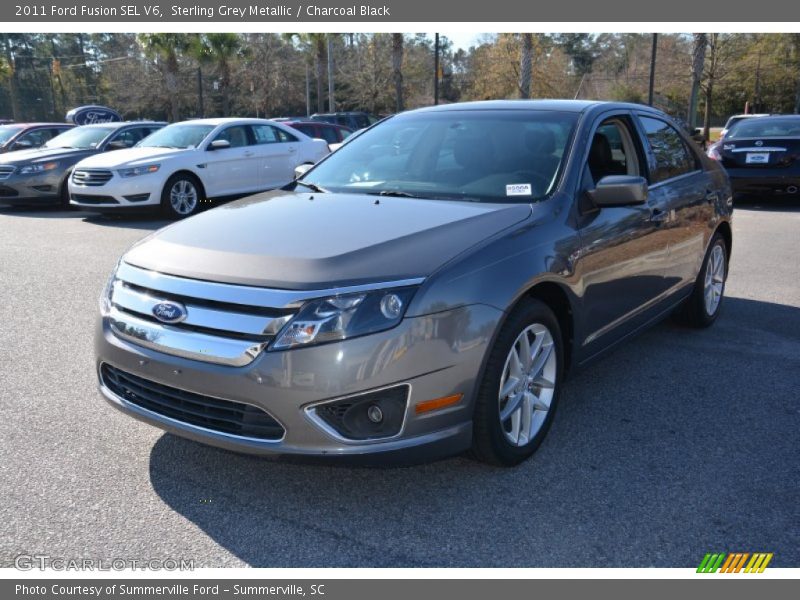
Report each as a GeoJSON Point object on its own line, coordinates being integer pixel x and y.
{"type": "Point", "coordinates": [673, 158]}
{"type": "Point", "coordinates": [329, 134]}
{"type": "Point", "coordinates": [608, 154]}
{"type": "Point", "coordinates": [35, 138]}
{"type": "Point", "coordinates": [129, 137]}
{"type": "Point", "coordinates": [309, 130]}
{"type": "Point", "coordinates": [766, 127]}
{"type": "Point", "coordinates": [483, 155]}
{"type": "Point", "coordinates": [236, 136]}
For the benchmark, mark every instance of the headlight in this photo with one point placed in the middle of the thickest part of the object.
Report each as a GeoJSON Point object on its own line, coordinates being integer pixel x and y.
{"type": "Point", "coordinates": [108, 290]}
{"type": "Point", "coordinates": [38, 168]}
{"type": "Point", "coordinates": [343, 317]}
{"type": "Point", "coordinates": [135, 171]}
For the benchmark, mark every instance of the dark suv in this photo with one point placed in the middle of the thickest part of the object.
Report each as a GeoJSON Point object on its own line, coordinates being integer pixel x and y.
{"type": "Point", "coordinates": [353, 120]}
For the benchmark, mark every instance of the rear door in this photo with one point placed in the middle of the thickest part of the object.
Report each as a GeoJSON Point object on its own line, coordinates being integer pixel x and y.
{"type": "Point", "coordinates": [683, 195]}
{"type": "Point", "coordinates": [277, 155]}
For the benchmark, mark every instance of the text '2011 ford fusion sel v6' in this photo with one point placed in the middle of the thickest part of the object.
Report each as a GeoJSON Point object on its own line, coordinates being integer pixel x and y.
{"type": "Point", "coordinates": [422, 291]}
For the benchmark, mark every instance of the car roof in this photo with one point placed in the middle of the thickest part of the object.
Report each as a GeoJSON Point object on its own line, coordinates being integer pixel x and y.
{"type": "Point", "coordinates": [224, 120]}
{"type": "Point", "coordinates": [120, 124]}
{"type": "Point", "coordinates": [576, 106]}
{"type": "Point", "coordinates": [31, 125]}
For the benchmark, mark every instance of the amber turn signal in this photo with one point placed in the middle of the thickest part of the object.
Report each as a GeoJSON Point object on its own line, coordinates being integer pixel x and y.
{"type": "Point", "coordinates": [437, 403]}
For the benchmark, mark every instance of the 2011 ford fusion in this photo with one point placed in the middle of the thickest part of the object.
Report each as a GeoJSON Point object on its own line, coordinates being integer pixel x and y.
{"type": "Point", "coordinates": [423, 291]}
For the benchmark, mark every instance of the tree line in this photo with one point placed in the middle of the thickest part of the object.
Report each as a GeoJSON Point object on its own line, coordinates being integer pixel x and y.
{"type": "Point", "coordinates": [701, 78]}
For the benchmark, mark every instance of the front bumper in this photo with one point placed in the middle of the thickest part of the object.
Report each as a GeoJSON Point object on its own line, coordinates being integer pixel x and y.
{"type": "Point", "coordinates": [784, 182]}
{"type": "Point", "coordinates": [435, 355]}
{"type": "Point", "coordinates": [43, 188]}
{"type": "Point", "coordinates": [118, 193]}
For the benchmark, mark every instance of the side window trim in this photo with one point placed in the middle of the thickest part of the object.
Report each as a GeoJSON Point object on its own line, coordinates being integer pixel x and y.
{"type": "Point", "coordinates": [633, 130]}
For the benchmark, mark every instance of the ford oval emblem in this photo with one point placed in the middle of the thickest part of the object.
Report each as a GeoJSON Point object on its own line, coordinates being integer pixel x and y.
{"type": "Point", "coordinates": [170, 312]}
{"type": "Point", "coordinates": [759, 143]}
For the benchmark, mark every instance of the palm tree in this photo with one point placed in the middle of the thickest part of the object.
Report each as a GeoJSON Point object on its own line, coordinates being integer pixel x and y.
{"type": "Point", "coordinates": [221, 48]}
{"type": "Point", "coordinates": [397, 69]}
{"type": "Point", "coordinates": [526, 66]}
{"type": "Point", "coordinates": [317, 43]}
{"type": "Point", "coordinates": [166, 48]}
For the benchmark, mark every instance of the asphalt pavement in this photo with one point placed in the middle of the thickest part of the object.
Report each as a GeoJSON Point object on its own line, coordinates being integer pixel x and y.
{"type": "Point", "coordinates": [681, 442]}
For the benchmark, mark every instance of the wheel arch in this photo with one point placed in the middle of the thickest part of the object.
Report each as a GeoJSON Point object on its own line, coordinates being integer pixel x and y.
{"type": "Point", "coordinates": [725, 230]}
{"type": "Point", "coordinates": [556, 298]}
{"type": "Point", "coordinates": [194, 176]}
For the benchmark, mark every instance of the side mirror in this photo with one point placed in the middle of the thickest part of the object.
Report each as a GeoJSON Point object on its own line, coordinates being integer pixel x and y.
{"type": "Point", "coordinates": [22, 145]}
{"type": "Point", "coordinates": [619, 190]}
{"type": "Point", "coordinates": [301, 170]}
{"type": "Point", "coordinates": [117, 145]}
{"type": "Point", "coordinates": [219, 145]}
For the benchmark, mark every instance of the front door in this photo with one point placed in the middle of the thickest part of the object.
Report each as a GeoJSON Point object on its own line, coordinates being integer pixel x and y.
{"type": "Point", "coordinates": [623, 249]}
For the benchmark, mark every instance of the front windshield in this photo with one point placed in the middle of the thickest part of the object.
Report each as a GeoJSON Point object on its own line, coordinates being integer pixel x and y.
{"type": "Point", "coordinates": [180, 135]}
{"type": "Point", "coordinates": [765, 127]}
{"type": "Point", "coordinates": [7, 132]}
{"type": "Point", "coordinates": [84, 138]}
{"type": "Point", "coordinates": [478, 155]}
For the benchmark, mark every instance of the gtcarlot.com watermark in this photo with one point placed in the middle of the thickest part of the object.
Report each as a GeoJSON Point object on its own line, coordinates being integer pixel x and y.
{"type": "Point", "coordinates": [42, 562]}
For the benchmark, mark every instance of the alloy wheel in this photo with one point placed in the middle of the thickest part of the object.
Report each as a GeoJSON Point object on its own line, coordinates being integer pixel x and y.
{"type": "Point", "coordinates": [527, 385]}
{"type": "Point", "coordinates": [183, 197]}
{"type": "Point", "coordinates": [714, 280]}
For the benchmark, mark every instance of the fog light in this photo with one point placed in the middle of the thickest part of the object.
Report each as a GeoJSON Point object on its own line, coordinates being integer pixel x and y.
{"type": "Point", "coordinates": [369, 416]}
{"type": "Point", "coordinates": [375, 414]}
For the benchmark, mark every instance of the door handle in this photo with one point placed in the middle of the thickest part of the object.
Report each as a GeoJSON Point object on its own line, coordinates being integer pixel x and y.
{"type": "Point", "coordinates": [248, 154]}
{"type": "Point", "coordinates": [292, 149]}
{"type": "Point", "coordinates": [711, 196]}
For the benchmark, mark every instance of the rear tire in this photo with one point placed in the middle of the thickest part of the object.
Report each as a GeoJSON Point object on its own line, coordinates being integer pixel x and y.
{"type": "Point", "coordinates": [502, 434]}
{"type": "Point", "coordinates": [702, 307]}
{"type": "Point", "coordinates": [181, 196]}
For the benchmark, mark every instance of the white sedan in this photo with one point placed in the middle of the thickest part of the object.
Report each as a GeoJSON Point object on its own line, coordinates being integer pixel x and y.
{"type": "Point", "coordinates": [185, 164]}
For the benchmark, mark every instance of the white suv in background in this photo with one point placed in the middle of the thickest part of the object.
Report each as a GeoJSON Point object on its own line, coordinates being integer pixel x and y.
{"type": "Point", "coordinates": [185, 164]}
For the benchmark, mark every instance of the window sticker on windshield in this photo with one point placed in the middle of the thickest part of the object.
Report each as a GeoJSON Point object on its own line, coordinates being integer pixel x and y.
{"type": "Point", "coordinates": [519, 189]}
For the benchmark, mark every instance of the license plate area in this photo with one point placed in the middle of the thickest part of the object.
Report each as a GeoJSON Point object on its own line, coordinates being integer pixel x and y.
{"type": "Point", "coordinates": [757, 158]}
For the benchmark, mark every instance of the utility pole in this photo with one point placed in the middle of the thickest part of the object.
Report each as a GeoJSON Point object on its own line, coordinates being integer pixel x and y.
{"type": "Point", "coordinates": [308, 93]}
{"type": "Point", "coordinates": [757, 102]}
{"type": "Point", "coordinates": [652, 70]}
{"type": "Point", "coordinates": [331, 103]}
{"type": "Point", "coordinates": [436, 69]}
{"type": "Point", "coordinates": [200, 103]}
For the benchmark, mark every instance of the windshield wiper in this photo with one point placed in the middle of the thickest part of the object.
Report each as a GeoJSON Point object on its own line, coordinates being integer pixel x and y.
{"type": "Point", "coordinates": [312, 186]}
{"type": "Point", "coordinates": [395, 193]}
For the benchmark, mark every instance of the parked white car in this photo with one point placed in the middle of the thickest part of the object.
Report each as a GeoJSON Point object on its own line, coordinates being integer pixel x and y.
{"type": "Point", "coordinates": [185, 164]}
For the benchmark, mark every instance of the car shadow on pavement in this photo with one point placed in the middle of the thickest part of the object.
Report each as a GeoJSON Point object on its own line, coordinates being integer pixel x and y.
{"type": "Point", "coordinates": [141, 221]}
{"type": "Point", "coordinates": [41, 212]}
{"type": "Point", "coordinates": [679, 443]}
{"type": "Point", "coordinates": [769, 204]}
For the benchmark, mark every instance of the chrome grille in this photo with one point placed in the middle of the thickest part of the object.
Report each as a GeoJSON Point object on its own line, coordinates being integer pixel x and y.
{"type": "Point", "coordinates": [212, 331]}
{"type": "Point", "coordinates": [6, 171]}
{"type": "Point", "coordinates": [94, 177]}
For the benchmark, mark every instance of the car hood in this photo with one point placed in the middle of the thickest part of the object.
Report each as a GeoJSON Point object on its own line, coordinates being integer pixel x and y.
{"type": "Point", "coordinates": [20, 157]}
{"type": "Point", "coordinates": [315, 241]}
{"type": "Point", "coordinates": [130, 157]}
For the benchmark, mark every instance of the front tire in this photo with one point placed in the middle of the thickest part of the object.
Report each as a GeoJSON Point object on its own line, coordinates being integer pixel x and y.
{"type": "Point", "coordinates": [702, 307]}
{"type": "Point", "coordinates": [517, 397]}
{"type": "Point", "coordinates": [181, 196]}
